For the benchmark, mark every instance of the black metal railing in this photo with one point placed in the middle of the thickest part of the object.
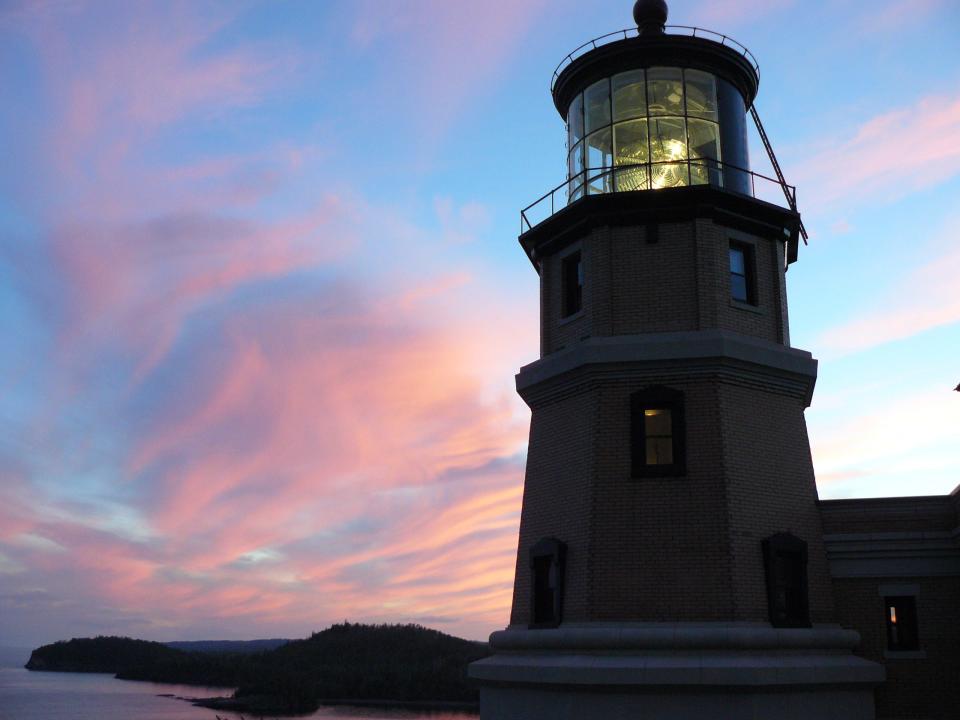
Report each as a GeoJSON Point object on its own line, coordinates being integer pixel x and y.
{"type": "Point", "coordinates": [640, 177]}
{"type": "Point", "coordinates": [635, 32]}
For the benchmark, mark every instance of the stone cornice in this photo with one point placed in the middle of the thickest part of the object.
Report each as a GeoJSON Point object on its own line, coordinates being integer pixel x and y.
{"type": "Point", "coordinates": [670, 357]}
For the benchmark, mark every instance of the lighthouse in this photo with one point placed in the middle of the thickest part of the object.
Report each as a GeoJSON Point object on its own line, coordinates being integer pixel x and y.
{"type": "Point", "coordinates": [671, 561]}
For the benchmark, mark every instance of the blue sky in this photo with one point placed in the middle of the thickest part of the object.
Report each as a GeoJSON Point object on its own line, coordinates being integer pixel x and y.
{"type": "Point", "coordinates": [263, 300]}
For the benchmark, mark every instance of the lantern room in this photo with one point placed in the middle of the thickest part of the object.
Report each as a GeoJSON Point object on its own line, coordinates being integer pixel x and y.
{"type": "Point", "coordinates": [656, 127]}
{"type": "Point", "coordinates": [647, 110]}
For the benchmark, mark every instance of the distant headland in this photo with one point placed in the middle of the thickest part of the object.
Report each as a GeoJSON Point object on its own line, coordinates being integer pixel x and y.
{"type": "Point", "coordinates": [405, 665]}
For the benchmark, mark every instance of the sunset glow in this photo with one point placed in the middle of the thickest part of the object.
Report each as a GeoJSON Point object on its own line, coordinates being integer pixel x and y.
{"type": "Point", "coordinates": [263, 303]}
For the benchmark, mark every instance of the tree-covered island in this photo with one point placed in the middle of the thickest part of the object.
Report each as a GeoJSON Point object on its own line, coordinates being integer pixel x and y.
{"type": "Point", "coordinates": [382, 663]}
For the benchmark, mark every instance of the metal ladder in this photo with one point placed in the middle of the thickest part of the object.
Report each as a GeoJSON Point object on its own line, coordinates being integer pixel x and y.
{"type": "Point", "coordinates": [791, 200]}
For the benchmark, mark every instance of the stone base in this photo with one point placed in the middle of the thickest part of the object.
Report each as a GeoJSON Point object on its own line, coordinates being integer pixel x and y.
{"type": "Point", "coordinates": [683, 671]}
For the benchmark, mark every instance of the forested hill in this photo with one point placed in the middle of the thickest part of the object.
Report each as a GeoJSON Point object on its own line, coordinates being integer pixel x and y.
{"type": "Point", "coordinates": [103, 655]}
{"type": "Point", "coordinates": [227, 646]}
{"type": "Point", "coordinates": [347, 661]}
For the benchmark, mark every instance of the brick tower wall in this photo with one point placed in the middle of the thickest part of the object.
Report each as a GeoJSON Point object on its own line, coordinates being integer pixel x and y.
{"type": "Point", "coordinates": [681, 282]}
{"type": "Point", "coordinates": [771, 488]}
{"type": "Point", "coordinates": [668, 548]}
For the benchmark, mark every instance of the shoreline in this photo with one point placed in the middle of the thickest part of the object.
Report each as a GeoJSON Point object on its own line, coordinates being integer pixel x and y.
{"type": "Point", "coordinates": [260, 704]}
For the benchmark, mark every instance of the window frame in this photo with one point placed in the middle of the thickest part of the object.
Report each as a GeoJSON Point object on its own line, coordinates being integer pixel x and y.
{"type": "Point", "coordinates": [555, 552]}
{"type": "Point", "coordinates": [749, 252]}
{"type": "Point", "coordinates": [657, 397]}
{"type": "Point", "coordinates": [787, 546]}
{"type": "Point", "coordinates": [566, 299]}
{"type": "Point", "coordinates": [907, 617]}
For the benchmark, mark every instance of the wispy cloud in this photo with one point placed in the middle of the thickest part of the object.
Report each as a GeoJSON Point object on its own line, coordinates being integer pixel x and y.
{"type": "Point", "coordinates": [892, 155]}
{"type": "Point", "coordinates": [721, 14]}
{"type": "Point", "coordinates": [890, 442]}
{"type": "Point", "coordinates": [923, 298]}
{"type": "Point", "coordinates": [896, 15]}
{"type": "Point", "coordinates": [249, 412]}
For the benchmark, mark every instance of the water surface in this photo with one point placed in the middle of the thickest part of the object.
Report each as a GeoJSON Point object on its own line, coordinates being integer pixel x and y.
{"type": "Point", "coordinates": [26, 695]}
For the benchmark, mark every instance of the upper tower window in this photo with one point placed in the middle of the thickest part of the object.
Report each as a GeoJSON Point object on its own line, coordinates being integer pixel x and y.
{"type": "Point", "coordinates": [742, 284]}
{"type": "Point", "coordinates": [571, 270]}
{"type": "Point", "coordinates": [643, 130]}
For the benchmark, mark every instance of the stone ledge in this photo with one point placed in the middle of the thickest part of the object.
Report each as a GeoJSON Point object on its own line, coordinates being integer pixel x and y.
{"type": "Point", "coordinates": [696, 347]}
{"type": "Point", "coordinates": [726, 669]}
{"type": "Point", "coordinates": [674, 636]}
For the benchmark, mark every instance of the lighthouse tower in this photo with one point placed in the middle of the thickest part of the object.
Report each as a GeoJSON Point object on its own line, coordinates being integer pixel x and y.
{"type": "Point", "coordinates": [671, 561]}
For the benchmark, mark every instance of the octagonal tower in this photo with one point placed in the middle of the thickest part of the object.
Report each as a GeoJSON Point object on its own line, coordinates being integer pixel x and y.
{"type": "Point", "coordinates": [671, 561]}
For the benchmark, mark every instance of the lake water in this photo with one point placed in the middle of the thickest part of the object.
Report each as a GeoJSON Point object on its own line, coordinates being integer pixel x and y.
{"type": "Point", "coordinates": [26, 695]}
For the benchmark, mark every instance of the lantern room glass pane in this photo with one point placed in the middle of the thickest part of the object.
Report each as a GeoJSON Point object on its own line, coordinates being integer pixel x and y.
{"type": "Point", "coordinates": [668, 139]}
{"type": "Point", "coordinates": [704, 145]}
{"type": "Point", "coordinates": [701, 91]}
{"type": "Point", "coordinates": [665, 91]}
{"type": "Point", "coordinates": [704, 139]}
{"type": "Point", "coordinates": [575, 161]}
{"type": "Point", "coordinates": [632, 142]}
{"type": "Point", "coordinates": [575, 121]}
{"type": "Point", "coordinates": [629, 95]}
{"type": "Point", "coordinates": [668, 142]}
{"type": "Point", "coordinates": [596, 105]}
{"type": "Point", "coordinates": [575, 189]}
{"type": "Point", "coordinates": [599, 149]}
{"type": "Point", "coordinates": [631, 148]}
{"type": "Point", "coordinates": [632, 178]}
{"type": "Point", "coordinates": [599, 160]}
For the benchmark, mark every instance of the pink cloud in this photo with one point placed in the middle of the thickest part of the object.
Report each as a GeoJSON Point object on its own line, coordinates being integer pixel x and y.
{"type": "Point", "coordinates": [870, 165]}
{"type": "Point", "coordinates": [136, 284]}
{"type": "Point", "coordinates": [721, 14]}
{"type": "Point", "coordinates": [925, 298]}
{"type": "Point", "coordinates": [440, 49]}
{"type": "Point", "coordinates": [286, 460]}
{"type": "Point", "coordinates": [890, 442]}
{"type": "Point", "coordinates": [898, 14]}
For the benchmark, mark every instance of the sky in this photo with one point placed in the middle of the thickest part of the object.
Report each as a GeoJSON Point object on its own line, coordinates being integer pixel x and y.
{"type": "Point", "coordinates": [262, 302]}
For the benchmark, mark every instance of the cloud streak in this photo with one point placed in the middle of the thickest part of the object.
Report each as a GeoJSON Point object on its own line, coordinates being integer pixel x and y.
{"type": "Point", "coordinates": [250, 418]}
{"type": "Point", "coordinates": [894, 154]}
{"type": "Point", "coordinates": [924, 298]}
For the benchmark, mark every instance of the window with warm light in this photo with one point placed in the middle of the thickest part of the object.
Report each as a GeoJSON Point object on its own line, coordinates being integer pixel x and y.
{"type": "Point", "coordinates": [657, 442]}
{"type": "Point", "coordinates": [644, 129]}
{"type": "Point", "coordinates": [901, 619]}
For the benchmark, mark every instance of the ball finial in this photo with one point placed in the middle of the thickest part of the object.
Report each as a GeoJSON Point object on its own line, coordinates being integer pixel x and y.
{"type": "Point", "coordinates": [651, 16]}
